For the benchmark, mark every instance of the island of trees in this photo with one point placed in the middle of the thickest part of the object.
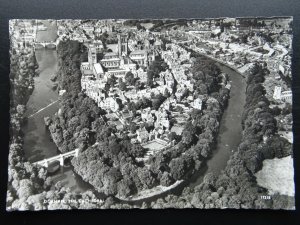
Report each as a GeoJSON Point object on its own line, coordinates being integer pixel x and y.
{"type": "Point", "coordinates": [107, 161]}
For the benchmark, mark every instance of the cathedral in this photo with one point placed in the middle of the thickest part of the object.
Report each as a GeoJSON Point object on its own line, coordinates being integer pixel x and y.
{"type": "Point", "coordinates": [117, 62]}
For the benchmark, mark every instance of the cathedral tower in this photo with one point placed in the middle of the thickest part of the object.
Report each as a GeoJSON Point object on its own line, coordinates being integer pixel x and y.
{"type": "Point", "coordinates": [92, 55]}
{"type": "Point", "coordinates": [122, 44]}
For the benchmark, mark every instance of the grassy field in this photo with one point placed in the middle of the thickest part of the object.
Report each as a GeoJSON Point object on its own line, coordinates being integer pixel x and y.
{"type": "Point", "coordinates": [154, 146]}
{"type": "Point", "coordinates": [277, 175]}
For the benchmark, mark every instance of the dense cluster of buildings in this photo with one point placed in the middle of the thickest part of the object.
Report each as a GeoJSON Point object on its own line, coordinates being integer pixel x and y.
{"type": "Point", "coordinates": [242, 42]}
{"type": "Point", "coordinates": [116, 50]}
{"type": "Point", "coordinates": [22, 33]}
{"type": "Point", "coordinates": [246, 41]}
{"type": "Point", "coordinates": [133, 54]}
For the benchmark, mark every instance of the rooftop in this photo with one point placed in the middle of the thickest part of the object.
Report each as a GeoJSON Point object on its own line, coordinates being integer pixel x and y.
{"type": "Point", "coordinates": [138, 52]}
{"type": "Point", "coordinates": [110, 54]}
{"type": "Point", "coordinates": [98, 68]}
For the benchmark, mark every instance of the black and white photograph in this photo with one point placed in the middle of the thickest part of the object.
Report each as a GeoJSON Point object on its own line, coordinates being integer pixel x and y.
{"type": "Point", "coordinates": [151, 114]}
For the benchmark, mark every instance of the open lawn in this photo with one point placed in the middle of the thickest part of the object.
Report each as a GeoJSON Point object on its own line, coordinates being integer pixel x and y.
{"type": "Point", "coordinates": [277, 175]}
{"type": "Point", "coordinates": [153, 145]}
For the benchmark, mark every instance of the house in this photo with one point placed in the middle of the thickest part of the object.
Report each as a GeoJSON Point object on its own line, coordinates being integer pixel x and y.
{"type": "Point", "coordinates": [162, 119]}
{"type": "Point", "coordinates": [158, 44]}
{"type": "Point", "coordinates": [109, 104]}
{"type": "Point", "coordinates": [197, 104]}
{"type": "Point", "coordinates": [179, 93]}
{"type": "Point", "coordinates": [286, 96]}
{"type": "Point", "coordinates": [277, 93]}
{"type": "Point", "coordinates": [147, 116]}
{"type": "Point", "coordinates": [126, 115]}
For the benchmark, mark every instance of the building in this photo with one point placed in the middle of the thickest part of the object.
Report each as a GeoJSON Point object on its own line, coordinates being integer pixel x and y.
{"type": "Point", "coordinates": [98, 71]}
{"type": "Point", "coordinates": [158, 44]}
{"type": "Point", "coordinates": [122, 44]}
{"type": "Point", "coordinates": [147, 116]}
{"type": "Point", "coordinates": [92, 55]}
{"type": "Point", "coordinates": [197, 104]}
{"type": "Point", "coordinates": [287, 96]}
{"type": "Point", "coordinates": [98, 45]}
{"type": "Point", "coordinates": [140, 57]}
{"type": "Point", "coordinates": [277, 93]}
{"type": "Point", "coordinates": [117, 72]}
{"type": "Point", "coordinates": [142, 135]}
{"type": "Point", "coordinates": [111, 60]}
{"type": "Point", "coordinates": [109, 104]}
{"type": "Point", "coordinates": [162, 120]}
{"type": "Point", "coordinates": [92, 69]}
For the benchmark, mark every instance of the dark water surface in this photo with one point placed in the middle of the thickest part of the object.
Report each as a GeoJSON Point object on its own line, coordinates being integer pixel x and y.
{"type": "Point", "coordinates": [37, 142]}
{"type": "Point", "coordinates": [230, 132]}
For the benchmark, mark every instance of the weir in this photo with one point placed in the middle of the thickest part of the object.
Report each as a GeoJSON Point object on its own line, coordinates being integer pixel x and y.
{"type": "Point", "coordinates": [42, 109]}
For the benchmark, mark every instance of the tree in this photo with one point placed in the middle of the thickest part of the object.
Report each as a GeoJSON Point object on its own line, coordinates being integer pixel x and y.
{"type": "Point", "coordinates": [173, 136]}
{"type": "Point", "coordinates": [126, 187]}
{"type": "Point", "coordinates": [111, 80]}
{"type": "Point", "coordinates": [25, 189]}
{"type": "Point", "coordinates": [156, 104]}
{"type": "Point", "coordinates": [210, 179]}
{"type": "Point", "coordinates": [137, 85]}
{"type": "Point", "coordinates": [21, 109]}
{"type": "Point", "coordinates": [188, 134]}
{"type": "Point", "coordinates": [129, 77]}
{"type": "Point", "coordinates": [166, 179]}
{"type": "Point", "coordinates": [177, 168]}
{"type": "Point", "coordinates": [150, 75]}
{"type": "Point", "coordinates": [146, 177]}
{"type": "Point", "coordinates": [122, 85]}
{"type": "Point", "coordinates": [133, 128]}
{"type": "Point", "coordinates": [107, 87]}
{"type": "Point", "coordinates": [167, 93]}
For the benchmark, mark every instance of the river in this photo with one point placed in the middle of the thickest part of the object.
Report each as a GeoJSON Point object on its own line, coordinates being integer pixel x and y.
{"type": "Point", "coordinates": [230, 131]}
{"type": "Point", "coordinates": [37, 142]}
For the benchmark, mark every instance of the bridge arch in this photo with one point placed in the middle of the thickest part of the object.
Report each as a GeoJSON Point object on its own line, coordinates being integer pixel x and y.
{"type": "Point", "coordinates": [60, 158]}
{"type": "Point", "coordinates": [46, 44]}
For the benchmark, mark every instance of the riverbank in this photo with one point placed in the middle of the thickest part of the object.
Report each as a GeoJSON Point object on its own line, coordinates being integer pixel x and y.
{"type": "Point", "coordinates": [151, 193]}
{"type": "Point", "coordinates": [25, 180]}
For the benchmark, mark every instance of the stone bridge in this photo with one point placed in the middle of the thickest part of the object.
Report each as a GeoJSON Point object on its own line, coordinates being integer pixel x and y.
{"type": "Point", "coordinates": [61, 158]}
{"type": "Point", "coordinates": [45, 44]}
